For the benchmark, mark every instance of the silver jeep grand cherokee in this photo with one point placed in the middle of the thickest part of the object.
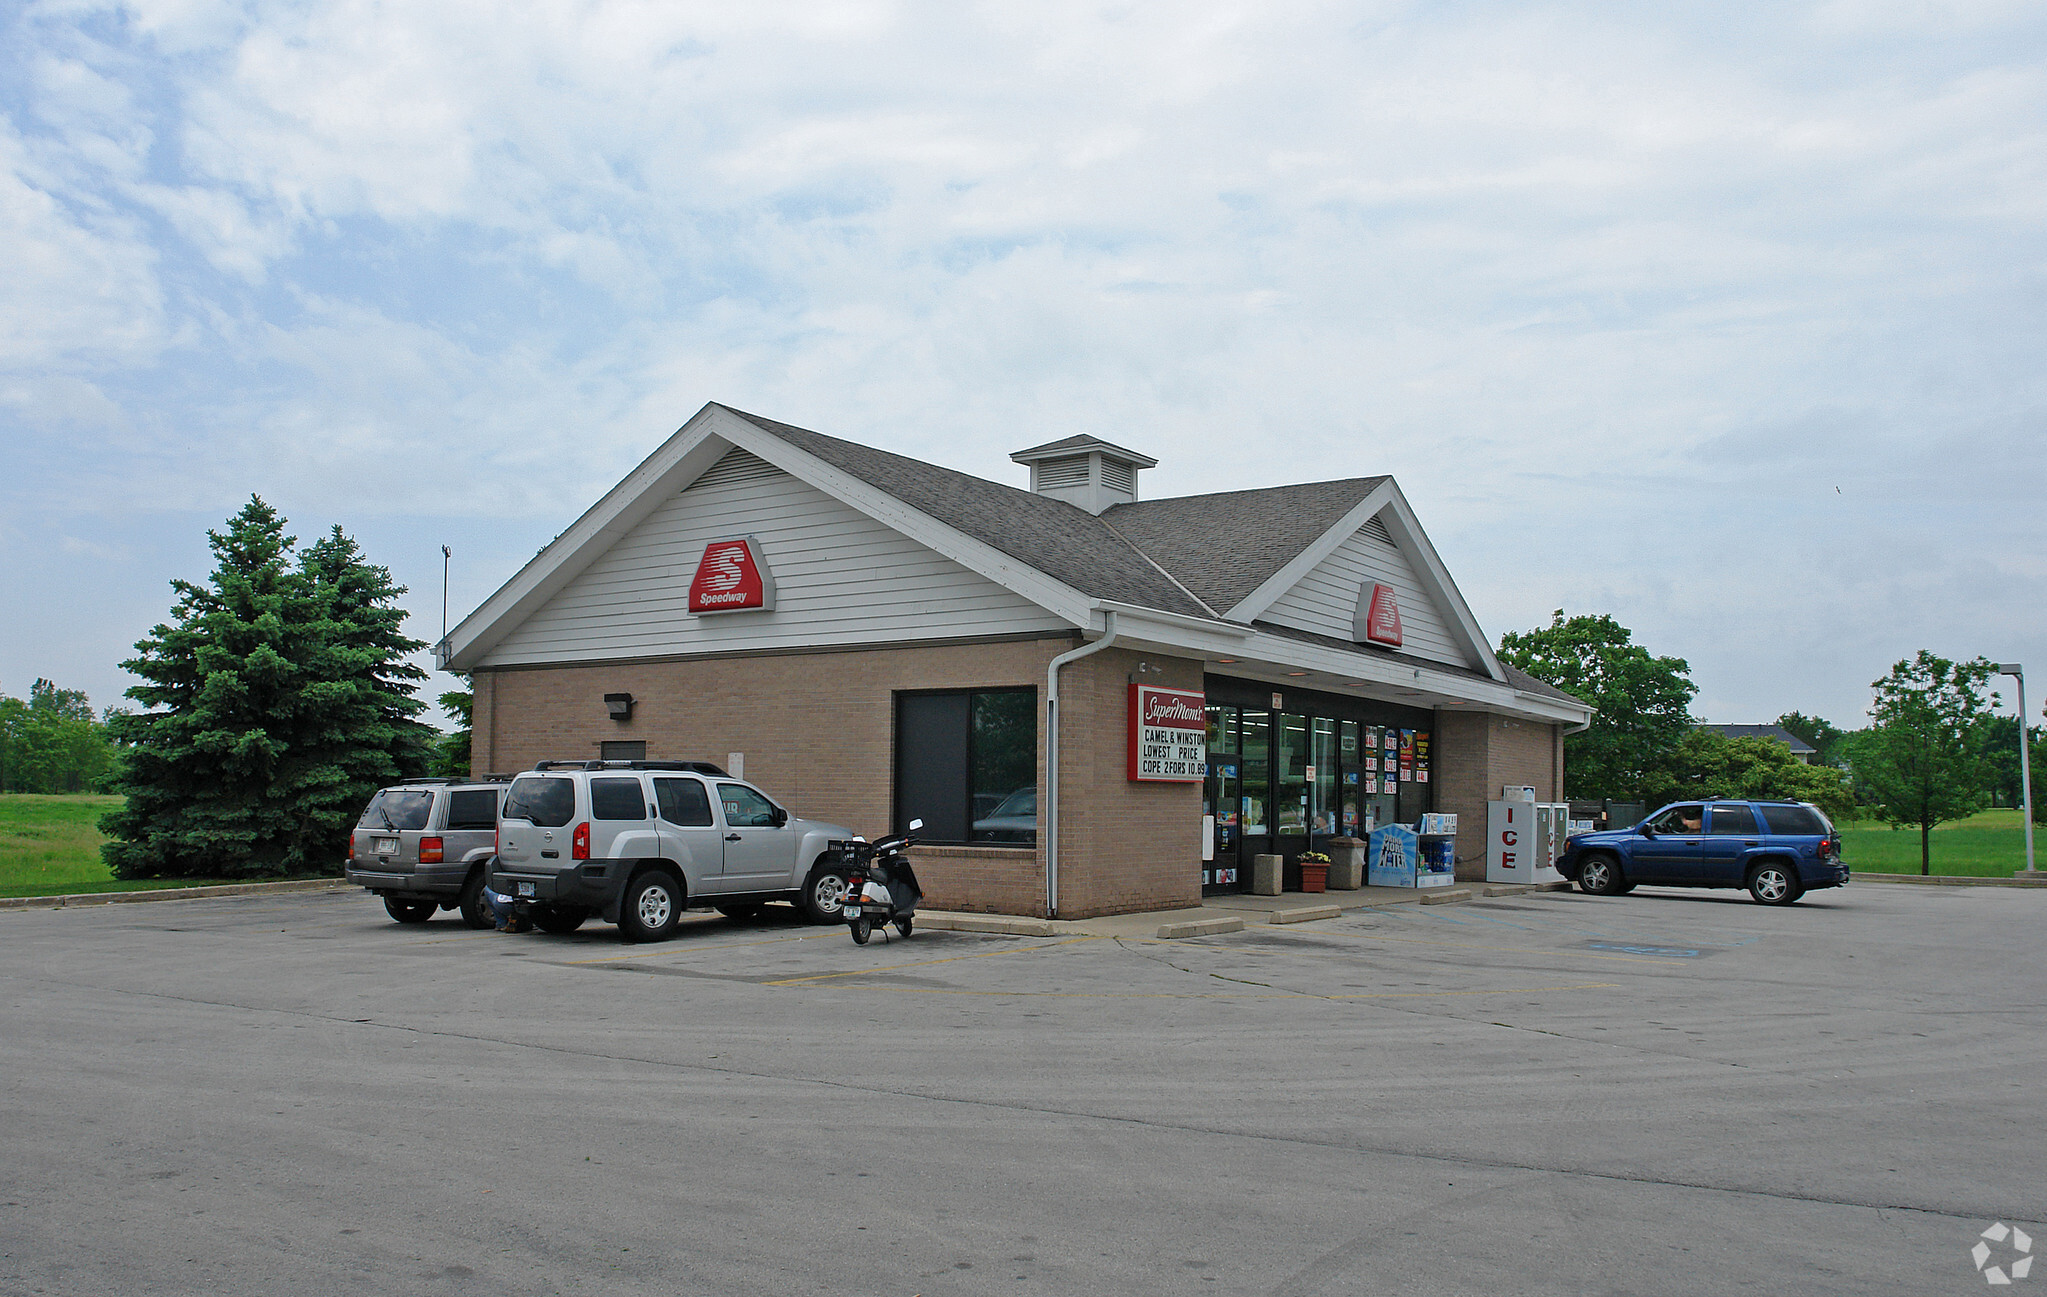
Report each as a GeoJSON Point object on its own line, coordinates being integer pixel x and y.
{"type": "Point", "coordinates": [424, 845]}
{"type": "Point", "coordinates": [638, 842]}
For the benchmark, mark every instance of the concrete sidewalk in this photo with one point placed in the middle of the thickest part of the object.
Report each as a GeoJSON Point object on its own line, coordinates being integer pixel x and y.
{"type": "Point", "coordinates": [1221, 913]}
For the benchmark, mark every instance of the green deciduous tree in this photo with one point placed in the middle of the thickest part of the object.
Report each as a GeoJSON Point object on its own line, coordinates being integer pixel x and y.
{"type": "Point", "coordinates": [278, 701]}
{"type": "Point", "coordinates": [1819, 735]}
{"type": "Point", "coordinates": [1641, 703]}
{"type": "Point", "coordinates": [50, 742]}
{"type": "Point", "coordinates": [1706, 764]}
{"type": "Point", "coordinates": [1921, 761]}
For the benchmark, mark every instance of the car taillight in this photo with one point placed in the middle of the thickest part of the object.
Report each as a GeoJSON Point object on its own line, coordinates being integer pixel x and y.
{"type": "Point", "coordinates": [579, 843]}
{"type": "Point", "coordinates": [429, 851]}
{"type": "Point", "coordinates": [351, 846]}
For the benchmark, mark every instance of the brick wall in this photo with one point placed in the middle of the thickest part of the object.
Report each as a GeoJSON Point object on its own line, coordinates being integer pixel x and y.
{"type": "Point", "coordinates": [1478, 754]}
{"type": "Point", "coordinates": [817, 731]}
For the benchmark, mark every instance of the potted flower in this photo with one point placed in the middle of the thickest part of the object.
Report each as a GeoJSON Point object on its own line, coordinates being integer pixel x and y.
{"type": "Point", "coordinates": [1314, 871]}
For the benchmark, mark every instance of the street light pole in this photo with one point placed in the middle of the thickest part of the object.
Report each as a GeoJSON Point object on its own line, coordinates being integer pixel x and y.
{"type": "Point", "coordinates": [2018, 672]}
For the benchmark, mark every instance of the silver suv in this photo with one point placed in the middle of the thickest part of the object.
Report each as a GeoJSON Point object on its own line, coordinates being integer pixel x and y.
{"type": "Point", "coordinates": [425, 845]}
{"type": "Point", "coordinates": [638, 842]}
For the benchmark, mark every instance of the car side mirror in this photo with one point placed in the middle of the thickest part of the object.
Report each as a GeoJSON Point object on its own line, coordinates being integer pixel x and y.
{"type": "Point", "coordinates": [780, 817]}
{"type": "Point", "coordinates": [915, 825]}
{"type": "Point", "coordinates": [1645, 830]}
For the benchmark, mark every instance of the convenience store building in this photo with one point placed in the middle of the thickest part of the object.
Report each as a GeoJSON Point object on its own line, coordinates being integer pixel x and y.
{"type": "Point", "coordinates": [1096, 703]}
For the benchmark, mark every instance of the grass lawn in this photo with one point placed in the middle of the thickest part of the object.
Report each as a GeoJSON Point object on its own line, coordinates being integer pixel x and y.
{"type": "Point", "coordinates": [1989, 844]}
{"type": "Point", "coordinates": [50, 846]}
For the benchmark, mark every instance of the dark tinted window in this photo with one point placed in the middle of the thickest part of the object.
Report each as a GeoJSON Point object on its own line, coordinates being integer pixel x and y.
{"type": "Point", "coordinates": [683, 801]}
{"type": "Point", "coordinates": [473, 808]}
{"type": "Point", "coordinates": [1732, 821]}
{"type": "Point", "coordinates": [550, 803]}
{"type": "Point", "coordinates": [617, 799]}
{"type": "Point", "coordinates": [959, 756]}
{"type": "Point", "coordinates": [1800, 821]}
{"type": "Point", "coordinates": [398, 808]}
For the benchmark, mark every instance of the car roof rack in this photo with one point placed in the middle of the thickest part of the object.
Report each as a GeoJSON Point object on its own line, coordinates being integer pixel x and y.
{"type": "Point", "coordinates": [441, 780]}
{"type": "Point", "coordinates": [693, 767]}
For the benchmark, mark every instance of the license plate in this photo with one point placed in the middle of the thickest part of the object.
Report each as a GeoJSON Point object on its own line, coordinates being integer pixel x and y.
{"type": "Point", "coordinates": [385, 847]}
{"type": "Point", "coordinates": [525, 889]}
{"type": "Point", "coordinates": [852, 911]}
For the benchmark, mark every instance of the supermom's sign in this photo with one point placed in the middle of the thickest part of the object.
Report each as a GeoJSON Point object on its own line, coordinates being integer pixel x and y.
{"type": "Point", "coordinates": [732, 576]}
{"type": "Point", "coordinates": [1168, 735]}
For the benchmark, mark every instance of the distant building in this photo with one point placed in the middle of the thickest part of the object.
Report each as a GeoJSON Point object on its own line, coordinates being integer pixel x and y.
{"type": "Point", "coordinates": [1799, 747]}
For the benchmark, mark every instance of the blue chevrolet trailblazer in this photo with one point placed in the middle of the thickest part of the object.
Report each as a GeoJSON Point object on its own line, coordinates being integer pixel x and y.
{"type": "Point", "coordinates": [1779, 851]}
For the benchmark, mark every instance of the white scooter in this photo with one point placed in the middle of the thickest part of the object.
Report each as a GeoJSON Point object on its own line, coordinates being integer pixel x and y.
{"type": "Point", "coordinates": [881, 888]}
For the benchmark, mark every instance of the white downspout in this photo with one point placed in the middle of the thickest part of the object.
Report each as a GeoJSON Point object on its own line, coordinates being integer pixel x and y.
{"type": "Point", "coordinates": [1052, 757]}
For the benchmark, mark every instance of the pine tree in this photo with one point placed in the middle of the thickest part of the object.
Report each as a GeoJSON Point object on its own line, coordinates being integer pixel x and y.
{"type": "Point", "coordinates": [278, 701]}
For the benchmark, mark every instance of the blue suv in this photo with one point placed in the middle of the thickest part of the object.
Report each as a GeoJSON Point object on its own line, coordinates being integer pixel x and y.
{"type": "Point", "coordinates": [1777, 850]}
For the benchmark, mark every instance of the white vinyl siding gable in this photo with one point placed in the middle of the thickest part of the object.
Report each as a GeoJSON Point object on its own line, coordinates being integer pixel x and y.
{"type": "Point", "coordinates": [841, 578]}
{"type": "Point", "coordinates": [1325, 601]}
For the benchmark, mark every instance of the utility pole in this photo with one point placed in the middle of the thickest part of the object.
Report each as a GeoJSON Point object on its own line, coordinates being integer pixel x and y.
{"type": "Point", "coordinates": [2018, 672]}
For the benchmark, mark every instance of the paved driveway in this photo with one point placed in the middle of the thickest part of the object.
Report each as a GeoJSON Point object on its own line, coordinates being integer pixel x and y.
{"type": "Point", "coordinates": [1667, 1092]}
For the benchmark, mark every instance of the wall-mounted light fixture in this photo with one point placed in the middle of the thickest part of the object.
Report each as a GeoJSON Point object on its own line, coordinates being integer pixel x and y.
{"type": "Point", "coordinates": [620, 706]}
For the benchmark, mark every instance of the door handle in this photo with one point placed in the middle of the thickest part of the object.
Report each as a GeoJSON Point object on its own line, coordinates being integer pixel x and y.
{"type": "Point", "coordinates": [732, 837]}
{"type": "Point", "coordinates": [1750, 842]}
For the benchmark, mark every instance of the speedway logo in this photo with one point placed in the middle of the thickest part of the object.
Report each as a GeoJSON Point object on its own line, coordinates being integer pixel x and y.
{"type": "Point", "coordinates": [732, 576]}
{"type": "Point", "coordinates": [1378, 615]}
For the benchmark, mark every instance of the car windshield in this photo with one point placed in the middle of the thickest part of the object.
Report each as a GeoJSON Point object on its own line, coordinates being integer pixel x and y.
{"type": "Point", "coordinates": [549, 803]}
{"type": "Point", "coordinates": [398, 808]}
{"type": "Point", "coordinates": [1024, 801]}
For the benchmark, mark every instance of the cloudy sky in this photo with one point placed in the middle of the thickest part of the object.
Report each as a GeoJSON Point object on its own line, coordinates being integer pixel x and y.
{"type": "Point", "coordinates": [1726, 319]}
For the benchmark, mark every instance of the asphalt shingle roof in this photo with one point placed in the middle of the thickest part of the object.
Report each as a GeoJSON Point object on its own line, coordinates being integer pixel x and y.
{"type": "Point", "coordinates": [1064, 541]}
{"type": "Point", "coordinates": [1224, 545]}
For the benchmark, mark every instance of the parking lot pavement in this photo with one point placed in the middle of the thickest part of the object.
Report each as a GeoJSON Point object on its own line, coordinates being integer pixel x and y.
{"type": "Point", "coordinates": [1668, 1092]}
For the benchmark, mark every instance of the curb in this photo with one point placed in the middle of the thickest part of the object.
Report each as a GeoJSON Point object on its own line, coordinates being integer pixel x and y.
{"type": "Point", "coordinates": [1009, 927]}
{"type": "Point", "coordinates": [1307, 914]}
{"type": "Point", "coordinates": [1448, 896]}
{"type": "Point", "coordinates": [1202, 928]}
{"type": "Point", "coordinates": [1946, 880]}
{"type": "Point", "coordinates": [168, 894]}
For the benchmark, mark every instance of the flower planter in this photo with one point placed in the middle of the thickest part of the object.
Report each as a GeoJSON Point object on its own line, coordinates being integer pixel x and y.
{"type": "Point", "coordinates": [1314, 877]}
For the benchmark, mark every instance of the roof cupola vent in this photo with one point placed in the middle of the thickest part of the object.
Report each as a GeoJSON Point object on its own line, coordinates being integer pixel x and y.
{"type": "Point", "coordinates": [1084, 471]}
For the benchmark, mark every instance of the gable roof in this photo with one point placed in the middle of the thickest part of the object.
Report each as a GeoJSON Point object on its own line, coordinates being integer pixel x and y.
{"type": "Point", "coordinates": [1198, 570]}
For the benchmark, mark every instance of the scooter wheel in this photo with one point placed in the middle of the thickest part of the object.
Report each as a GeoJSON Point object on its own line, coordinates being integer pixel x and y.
{"type": "Point", "coordinates": [862, 930]}
{"type": "Point", "coordinates": [903, 926]}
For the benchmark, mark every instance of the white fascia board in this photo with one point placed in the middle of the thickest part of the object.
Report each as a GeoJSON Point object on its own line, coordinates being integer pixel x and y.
{"type": "Point", "coordinates": [1278, 653]}
{"type": "Point", "coordinates": [675, 463]}
{"type": "Point", "coordinates": [1254, 604]}
{"type": "Point", "coordinates": [1055, 597]}
{"type": "Point", "coordinates": [1435, 578]}
{"type": "Point", "coordinates": [1172, 632]}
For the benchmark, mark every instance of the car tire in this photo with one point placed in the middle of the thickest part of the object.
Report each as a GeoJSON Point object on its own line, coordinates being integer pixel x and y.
{"type": "Point", "coordinates": [559, 920]}
{"type": "Point", "coordinates": [410, 911]}
{"type": "Point", "coordinates": [475, 907]}
{"type": "Point", "coordinates": [651, 906]}
{"type": "Point", "coordinates": [741, 910]}
{"type": "Point", "coordinates": [1774, 883]}
{"type": "Point", "coordinates": [824, 892]}
{"type": "Point", "coordinates": [1600, 876]}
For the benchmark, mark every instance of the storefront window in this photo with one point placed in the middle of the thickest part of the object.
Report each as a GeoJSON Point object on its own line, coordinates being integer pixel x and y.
{"type": "Point", "coordinates": [1257, 772]}
{"type": "Point", "coordinates": [966, 764]}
